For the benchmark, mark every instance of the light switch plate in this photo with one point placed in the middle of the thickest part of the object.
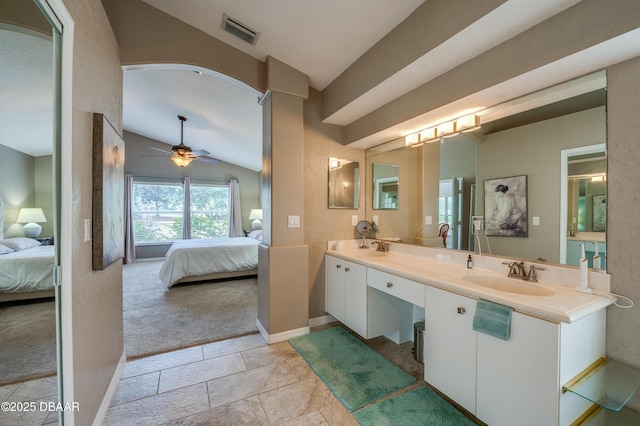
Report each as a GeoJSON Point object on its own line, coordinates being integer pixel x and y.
{"type": "Point", "coordinates": [293, 221]}
{"type": "Point", "coordinates": [428, 220]}
{"type": "Point", "coordinates": [354, 219]}
{"type": "Point", "coordinates": [536, 221]}
{"type": "Point", "coordinates": [87, 230]}
{"type": "Point", "coordinates": [375, 219]}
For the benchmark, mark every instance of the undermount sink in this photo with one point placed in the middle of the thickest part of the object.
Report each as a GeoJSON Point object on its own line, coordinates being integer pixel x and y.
{"type": "Point", "coordinates": [509, 285]}
{"type": "Point", "coordinates": [373, 253]}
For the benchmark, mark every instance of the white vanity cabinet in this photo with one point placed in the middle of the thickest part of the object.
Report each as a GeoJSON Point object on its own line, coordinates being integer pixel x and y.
{"type": "Point", "coordinates": [508, 382]}
{"type": "Point", "coordinates": [450, 346]}
{"type": "Point", "coordinates": [346, 293]}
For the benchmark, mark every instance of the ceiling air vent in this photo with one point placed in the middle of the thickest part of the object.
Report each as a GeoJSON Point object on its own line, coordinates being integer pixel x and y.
{"type": "Point", "coordinates": [239, 29]}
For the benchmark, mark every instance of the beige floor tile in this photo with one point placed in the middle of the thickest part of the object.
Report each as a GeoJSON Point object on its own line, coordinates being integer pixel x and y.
{"type": "Point", "coordinates": [271, 354]}
{"type": "Point", "coordinates": [313, 418]}
{"type": "Point", "coordinates": [162, 361]}
{"type": "Point", "coordinates": [300, 368]}
{"type": "Point", "coordinates": [7, 390]}
{"type": "Point", "coordinates": [161, 408]}
{"type": "Point", "coordinates": [292, 401]}
{"type": "Point", "coordinates": [226, 347]}
{"type": "Point", "coordinates": [136, 387]}
{"type": "Point", "coordinates": [249, 383]}
{"type": "Point", "coordinates": [337, 415]}
{"type": "Point", "coordinates": [201, 371]}
{"type": "Point", "coordinates": [35, 389]}
{"type": "Point", "coordinates": [34, 415]}
{"type": "Point", "coordinates": [245, 412]}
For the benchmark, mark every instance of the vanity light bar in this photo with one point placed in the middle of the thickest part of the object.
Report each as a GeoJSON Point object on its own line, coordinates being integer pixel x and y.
{"type": "Point", "coordinates": [467, 123]}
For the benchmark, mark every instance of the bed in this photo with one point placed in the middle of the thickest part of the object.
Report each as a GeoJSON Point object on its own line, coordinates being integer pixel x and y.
{"type": "Point", "coordinates": [210, 258]}
{"type": "Point", "coordinates": [26, 267]}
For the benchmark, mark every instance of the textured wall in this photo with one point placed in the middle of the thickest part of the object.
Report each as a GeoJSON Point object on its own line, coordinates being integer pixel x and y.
{"type": "Point", "coordinates": [96, 296]}
{"type": "Point", "coordinates": [322, 141]}
{"type": "Point", "coordinates": [623, 227]}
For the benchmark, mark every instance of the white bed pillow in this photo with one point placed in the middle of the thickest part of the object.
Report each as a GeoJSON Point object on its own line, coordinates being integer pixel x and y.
{"type": "Point", "coordinates": [20, 243]}
{"type": "Point", "coordinates": [257, 234]}
{"type": "Point", "coordinates": [5, 249]}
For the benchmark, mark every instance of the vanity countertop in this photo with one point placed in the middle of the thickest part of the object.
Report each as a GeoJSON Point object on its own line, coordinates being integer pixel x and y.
{"type": "Point", "coordinates": [565, 305]}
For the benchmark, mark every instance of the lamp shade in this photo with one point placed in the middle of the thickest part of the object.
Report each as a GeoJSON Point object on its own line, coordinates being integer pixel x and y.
{"type": "Point", "coordinates": [256, 216]}
{"type": "Point", "coordinates": [181, 160]}
{"type": "Point", "coordinates": [30, 216]}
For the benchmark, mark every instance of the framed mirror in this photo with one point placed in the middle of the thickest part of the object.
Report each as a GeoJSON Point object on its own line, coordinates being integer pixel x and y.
{"type": "Point", "coordinates": [522, 137]}
{"type": "Point", "coordinates": [344, 184]}
{"type": "Point", "coordinates": [385, 186]}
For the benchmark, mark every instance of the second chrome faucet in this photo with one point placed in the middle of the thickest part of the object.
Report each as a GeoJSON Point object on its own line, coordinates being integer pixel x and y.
{"type": "Point", "coordinates": [519, 270]}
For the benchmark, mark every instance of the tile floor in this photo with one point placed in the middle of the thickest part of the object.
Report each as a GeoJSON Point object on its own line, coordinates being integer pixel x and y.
{"type": "Point", "coordinates": [231, 382]}
{"type": "Point", "coordinates": [236, 381]}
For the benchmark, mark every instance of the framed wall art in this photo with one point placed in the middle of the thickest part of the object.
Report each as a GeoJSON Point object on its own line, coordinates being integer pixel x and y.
{"type": "Point", "coordinates": [505, 206]}
{"type": "Point", "coordinates": [108, 193]}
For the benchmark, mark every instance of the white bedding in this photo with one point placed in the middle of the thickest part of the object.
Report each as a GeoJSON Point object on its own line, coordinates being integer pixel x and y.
{"type": "Point", "coordinates": [187, 258]}
{"type": "Point", "coordinates": [27, 270]}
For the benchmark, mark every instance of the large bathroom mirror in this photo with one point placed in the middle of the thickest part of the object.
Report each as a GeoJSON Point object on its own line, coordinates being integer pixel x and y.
{"type": "Point", "coordinates": [443, 182]}
{"type": "Point", "coordinates": [344, 184]}
{"type": "Point", "coordinates": [30, 43]}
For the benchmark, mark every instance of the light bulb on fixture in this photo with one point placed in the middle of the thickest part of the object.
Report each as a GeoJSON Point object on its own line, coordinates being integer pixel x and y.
{"type": "Point", "coordinates": [412, 139]}
{"type": "Point", "coordinates": [468, 123]}
{"type": "Point", "coordinates": [181, 160]}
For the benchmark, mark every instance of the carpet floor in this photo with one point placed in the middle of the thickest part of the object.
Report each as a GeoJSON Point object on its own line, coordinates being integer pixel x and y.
{"type": "Point", "coordinates": [156, 320]}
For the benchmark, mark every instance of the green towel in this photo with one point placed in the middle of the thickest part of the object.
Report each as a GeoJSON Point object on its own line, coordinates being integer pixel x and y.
{"type": "Point", "coordinates": [492, 319]}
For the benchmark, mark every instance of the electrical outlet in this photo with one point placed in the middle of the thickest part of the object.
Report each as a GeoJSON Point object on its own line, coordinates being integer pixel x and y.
{"type": "Point", "coordinates": [428, 220]}
{"type": "Point", "coordinates": [536, 220]}
{"type": "Point", "coordinates": [478, 224]}
{"type": "Point", "coordinates": [375, 219]}
{"type": "Point", "coordinates": [354, 219]}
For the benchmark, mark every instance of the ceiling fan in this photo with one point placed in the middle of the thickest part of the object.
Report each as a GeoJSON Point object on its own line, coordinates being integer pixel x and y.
{"type": "Point", "coordinates": [182, 155]}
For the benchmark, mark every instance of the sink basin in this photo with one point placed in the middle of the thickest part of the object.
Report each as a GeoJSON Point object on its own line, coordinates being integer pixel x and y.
{"type": "Point", "coordinates": [509, 285]}
{"type": "Point", "coordinates": [373, 253]}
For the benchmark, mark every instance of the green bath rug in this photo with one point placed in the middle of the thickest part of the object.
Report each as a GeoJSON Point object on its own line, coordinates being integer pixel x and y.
{"type": "Point", "coordinates": [356, 374]}
{"type": "Point", "coordinates": [421, 406]}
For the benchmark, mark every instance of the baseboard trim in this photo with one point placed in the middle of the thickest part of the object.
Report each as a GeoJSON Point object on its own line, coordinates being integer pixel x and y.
{"type": "Point", "coordinates": [318, 321]}
{"type": "Point", "coordinates": [111, 390]}
{"type": "Point", "coordinates": [280, 337]}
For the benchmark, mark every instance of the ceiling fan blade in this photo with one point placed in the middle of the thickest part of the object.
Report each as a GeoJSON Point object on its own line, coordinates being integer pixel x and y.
{"type": "Point", "coordinates": [207, 160]}
{"type": "Point", "coordinates": [199, 153]}
{"type": "Point", "coordinates": [161, 150]}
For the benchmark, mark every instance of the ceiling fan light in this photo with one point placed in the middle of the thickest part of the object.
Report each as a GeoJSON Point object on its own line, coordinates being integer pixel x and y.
{"type": "Point", "coordinates": [181, 161]}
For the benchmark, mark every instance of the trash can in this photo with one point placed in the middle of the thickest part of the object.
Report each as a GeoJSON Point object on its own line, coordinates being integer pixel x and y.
{"type": "Point", "coordinates": [418, 341]}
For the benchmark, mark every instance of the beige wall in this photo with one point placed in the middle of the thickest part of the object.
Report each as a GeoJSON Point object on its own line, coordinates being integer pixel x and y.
{"type": "Point", "coordinates": [623, 227]}
{"type": "Point", "coordinates": [96, 303]}
{"type": "Point", "coordinates": [16, 187]}
{"type": "Point", "coordinates": [322, 224]}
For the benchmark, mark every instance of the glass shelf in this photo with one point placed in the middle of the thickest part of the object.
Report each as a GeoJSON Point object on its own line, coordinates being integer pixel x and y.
{"type": "Point", "coordinates": [606, 383]}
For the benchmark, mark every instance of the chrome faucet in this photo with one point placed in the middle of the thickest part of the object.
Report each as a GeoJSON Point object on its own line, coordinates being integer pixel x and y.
{"type": "Point", "coordinates": [381, 246]}
{"type": "Point", "coordinates": [519, 270]}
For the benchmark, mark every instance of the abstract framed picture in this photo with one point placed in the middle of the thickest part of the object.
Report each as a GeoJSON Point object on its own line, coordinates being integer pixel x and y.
{"type": "Point", "coordinates": [505, 206]}
{"type": "Point", "coordinates": [108, 193]}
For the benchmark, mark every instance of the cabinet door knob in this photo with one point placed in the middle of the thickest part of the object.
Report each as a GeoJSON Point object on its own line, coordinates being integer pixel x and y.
{"type": "Point", "coordinates": [389, 285]}
{"type": "Point", "coordinates": [346, 269]}
{"type": "Point", "coordinates": [338, 266]}
{"type": "Point", "coordinates": [461, 310]}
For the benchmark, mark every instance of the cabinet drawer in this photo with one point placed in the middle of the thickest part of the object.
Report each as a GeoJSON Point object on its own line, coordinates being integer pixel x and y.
{"type": "Point", "coordinates": [399, 287]}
